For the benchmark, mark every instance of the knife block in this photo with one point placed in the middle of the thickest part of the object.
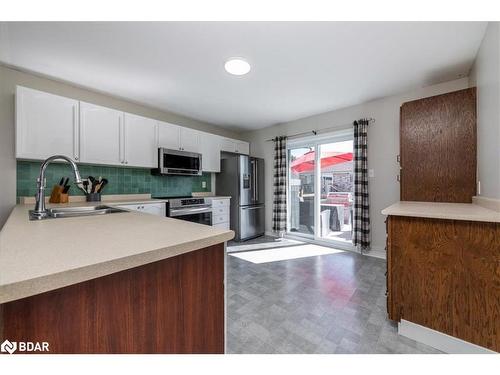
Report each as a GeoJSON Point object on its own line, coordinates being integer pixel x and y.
{"type": "Point", "coordinates": [57, 195]}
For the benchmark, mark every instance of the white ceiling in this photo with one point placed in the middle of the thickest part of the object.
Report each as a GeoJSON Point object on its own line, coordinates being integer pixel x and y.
{"type": "Point", "coordinates": [298, 68]}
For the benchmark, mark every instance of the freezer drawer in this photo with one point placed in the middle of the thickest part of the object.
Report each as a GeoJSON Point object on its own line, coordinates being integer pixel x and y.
{"type": "Point", "coordinates": [251, 222]}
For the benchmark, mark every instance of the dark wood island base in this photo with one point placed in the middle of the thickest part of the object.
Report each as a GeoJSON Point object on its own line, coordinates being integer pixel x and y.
{"type": "Point", "coordinates": [175, 305]}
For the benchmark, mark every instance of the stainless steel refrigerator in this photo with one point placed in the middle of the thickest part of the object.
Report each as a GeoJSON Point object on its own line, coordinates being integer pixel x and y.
{"type": "Point", "coordinates": [242, 178]}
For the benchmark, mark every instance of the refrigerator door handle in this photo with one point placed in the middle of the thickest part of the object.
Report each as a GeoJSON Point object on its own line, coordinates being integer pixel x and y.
{"type": "Point", "coordinates": [251, 208]}
{"type": "Point", "coordinates": [256, 182]}
{"type": "Point", "coordinates": [252, 162]}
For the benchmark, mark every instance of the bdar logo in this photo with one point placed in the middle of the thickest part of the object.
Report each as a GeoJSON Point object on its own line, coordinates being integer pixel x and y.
{"type": "Point", "coordinates": [8, 347]}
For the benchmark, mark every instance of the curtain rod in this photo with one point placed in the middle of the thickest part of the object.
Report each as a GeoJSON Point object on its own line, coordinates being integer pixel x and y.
{"type": "Point", "coordinates": [316, 132]}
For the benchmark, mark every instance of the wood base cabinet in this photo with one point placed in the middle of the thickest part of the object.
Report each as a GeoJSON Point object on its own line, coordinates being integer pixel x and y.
{"type": "Point", "coordinates": [171, 306]}
{"type": "Point", "coordinates": [445, 275]}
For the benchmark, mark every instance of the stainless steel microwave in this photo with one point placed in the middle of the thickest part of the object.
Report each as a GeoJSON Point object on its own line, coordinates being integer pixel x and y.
{"type": "Point", "coordinates": [178, 162]}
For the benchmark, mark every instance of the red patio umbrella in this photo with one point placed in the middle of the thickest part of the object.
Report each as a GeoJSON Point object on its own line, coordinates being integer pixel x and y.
{"type": "Point", "coordinates": [305, 163]}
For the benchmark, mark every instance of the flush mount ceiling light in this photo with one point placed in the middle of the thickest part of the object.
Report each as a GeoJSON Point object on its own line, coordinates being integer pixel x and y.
{"type": "Point", "coordinates": [237, 66]}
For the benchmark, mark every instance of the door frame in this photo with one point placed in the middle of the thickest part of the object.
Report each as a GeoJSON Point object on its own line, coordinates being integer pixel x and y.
{"type": "Point", "coordinates": [340, 135]}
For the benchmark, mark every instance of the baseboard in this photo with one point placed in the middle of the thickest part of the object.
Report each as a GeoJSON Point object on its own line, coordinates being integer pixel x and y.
{"type": "Point", "coordinates": [376, 252]}
{"type": "Point", "coordinates": [439, 340]}
{"type": "Point", "coordinates": [489, 203]}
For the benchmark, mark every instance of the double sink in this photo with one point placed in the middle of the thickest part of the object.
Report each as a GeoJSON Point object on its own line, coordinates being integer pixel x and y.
{"type": "Point", "coordinates": [82, 211]}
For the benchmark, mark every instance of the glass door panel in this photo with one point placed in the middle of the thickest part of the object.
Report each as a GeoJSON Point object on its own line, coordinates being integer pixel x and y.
{"type": "Point", "coordinates": [336, 186]}
{"type": "Point", "coordinates": [301, 197]}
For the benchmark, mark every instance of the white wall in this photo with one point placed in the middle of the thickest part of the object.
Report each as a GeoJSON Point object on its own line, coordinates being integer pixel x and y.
{"type": "Point", "coordinates": [9, 78]}
{"type": "Point", "coordinates": [485, 74]}
{"type": "Point", "coordinates": [383, 147]}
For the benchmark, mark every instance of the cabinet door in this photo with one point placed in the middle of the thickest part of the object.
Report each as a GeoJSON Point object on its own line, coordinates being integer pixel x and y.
{"type": "Point", "coordinates": [242, 147]}
{"type": "Point", "coordinates": [157, 209]}
{"type": "Point", "coordinates": [227, 144]}
{"type": "Point", "coordinates": [101, 135]}
{"type": "Point", "coordinates": [190, 140]}
{"type": "Point", "coordinates": [140, 141]}
{"type": "Point", "coordinates": [210, 152]}
{"type": "Point", "coordinates": [438, 148]}
{"type": "Point", "coordinates": [46, 125]}
{"type": "Point", "coordinates": [168, 136]}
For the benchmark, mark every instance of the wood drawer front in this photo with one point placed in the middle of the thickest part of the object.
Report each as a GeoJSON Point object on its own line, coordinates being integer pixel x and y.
{"type": "Point", "coordinates": [220, 219]}
{"type": "Point", "coordinates": [220, 210]}
{"type": "Point", "coordinates": [220, 203]}
{"type": "Point", "coordinates": [222, 225]}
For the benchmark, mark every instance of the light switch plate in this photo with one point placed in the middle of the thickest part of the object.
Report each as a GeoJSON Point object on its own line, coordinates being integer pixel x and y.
{"type": "Point", "coordinates": [371, 173]}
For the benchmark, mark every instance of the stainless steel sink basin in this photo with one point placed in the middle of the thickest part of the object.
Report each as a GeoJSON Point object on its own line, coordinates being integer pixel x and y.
{"type": "Point", "coordinates": [82, 211]}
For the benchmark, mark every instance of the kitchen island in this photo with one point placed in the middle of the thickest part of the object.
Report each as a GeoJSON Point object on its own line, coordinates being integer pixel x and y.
{"type": "Point", "coordinates": [125, 282]}
{"type": "Point", "coordinates": [443, 274]}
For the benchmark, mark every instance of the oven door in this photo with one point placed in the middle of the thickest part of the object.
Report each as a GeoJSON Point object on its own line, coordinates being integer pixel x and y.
{"type": "Point", "coordinates": [194, 215]}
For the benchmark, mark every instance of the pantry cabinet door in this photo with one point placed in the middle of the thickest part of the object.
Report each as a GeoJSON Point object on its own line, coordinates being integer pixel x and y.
{"type": "Point", "coordinates": [101, 135]}
{"type": "Point", "coordinates": [46, 125]}
{"type": "Point", "coordinates": [140, 141]}
{"type": "Point", "coordinates": [168, 136]}
{"type": "Point", "coordinates": [190, 140]}
{"type": "Point", "coordinates": [210, 152]}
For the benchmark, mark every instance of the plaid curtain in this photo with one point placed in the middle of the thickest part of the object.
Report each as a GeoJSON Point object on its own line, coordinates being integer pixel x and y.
{"type": "Point", "coordinates": [279, 192]}
{"type": "Point", "coordinates": [361, 222]}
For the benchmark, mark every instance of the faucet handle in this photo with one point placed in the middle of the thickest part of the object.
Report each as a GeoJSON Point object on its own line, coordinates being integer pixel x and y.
{"type": "Point", "coordinates": [41, 183]}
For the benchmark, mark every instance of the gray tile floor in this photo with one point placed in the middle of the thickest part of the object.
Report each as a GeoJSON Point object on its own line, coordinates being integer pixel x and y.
{"type": "Point", "coordinates": [323, 304]}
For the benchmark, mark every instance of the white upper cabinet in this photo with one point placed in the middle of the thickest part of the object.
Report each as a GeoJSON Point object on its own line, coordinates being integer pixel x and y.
{"type": "Point", "coordinates": [101, 139]}
{"type": "Point", "coordinates": [46, 125]}
{"type": "Point", "coordinates": [242, 147]}
{"type": "Point", "coordinates": [210, 152]}
{"type": "Point", "coordinates": [228, 145]}
{"type": "Point", "coordinates": [190, 140]}
{"type": "Point", "coordinates": [176, 137]}
{"type": "Point", "coordinates": [140, 141]}
{"type": "Point", "coordinates": [234, 145]}
{"type": "Point", "coordinates": [169, 136]}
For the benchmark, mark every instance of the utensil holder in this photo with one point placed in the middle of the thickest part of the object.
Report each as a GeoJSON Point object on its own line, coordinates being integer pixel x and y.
{"type": "Point", "coordinates": [94, 197]}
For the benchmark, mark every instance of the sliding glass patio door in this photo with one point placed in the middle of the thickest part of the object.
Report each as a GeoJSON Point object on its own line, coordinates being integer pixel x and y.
{"type": "Point", "coordinates": [320, 188]}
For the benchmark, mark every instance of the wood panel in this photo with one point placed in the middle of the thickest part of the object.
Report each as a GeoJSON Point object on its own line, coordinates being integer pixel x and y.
{"type": "Point", "coordinates": [445, 275]}
{"type": "Point", "coordinates": [438, 148]}
{"type": "Point", "coordinates": [172, 306]}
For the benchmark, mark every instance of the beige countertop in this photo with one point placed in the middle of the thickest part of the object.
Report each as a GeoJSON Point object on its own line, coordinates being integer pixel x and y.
{"type": "Point", "coordinates": [450, 211]}
{"type": "Point", "coordinates": [38, 256]}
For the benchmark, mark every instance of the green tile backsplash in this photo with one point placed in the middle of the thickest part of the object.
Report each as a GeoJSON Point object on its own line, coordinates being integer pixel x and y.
{"type": "Point", "coordinates": [121, 180]}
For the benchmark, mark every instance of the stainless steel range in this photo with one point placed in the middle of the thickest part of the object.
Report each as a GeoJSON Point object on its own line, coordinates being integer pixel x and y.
{"type": "Point", "coordinates": [196, 210]}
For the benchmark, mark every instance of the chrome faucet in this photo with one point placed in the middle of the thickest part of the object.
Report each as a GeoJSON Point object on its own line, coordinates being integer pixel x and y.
{"type": "Point", "coordinates": [40, 211]}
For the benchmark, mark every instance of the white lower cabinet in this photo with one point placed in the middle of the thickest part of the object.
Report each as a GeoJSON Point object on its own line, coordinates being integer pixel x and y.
{"type": "Point", "coordinates": [158, 209]}
{"type": "Point", "coordinates": [220, 212]}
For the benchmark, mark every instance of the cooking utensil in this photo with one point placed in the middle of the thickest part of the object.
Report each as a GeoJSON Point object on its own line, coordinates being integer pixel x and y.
{"type": "Point", "coordinates": [93, 183]}
{"type": "Point", "coordinates": [102, 184]}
